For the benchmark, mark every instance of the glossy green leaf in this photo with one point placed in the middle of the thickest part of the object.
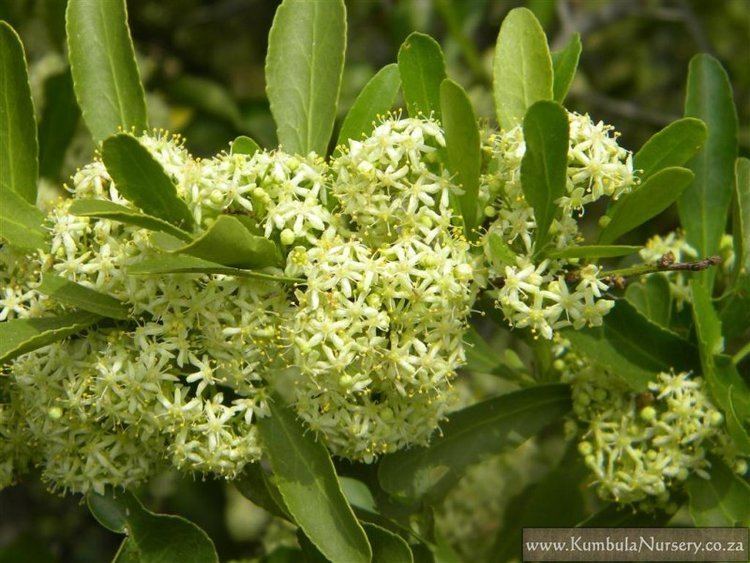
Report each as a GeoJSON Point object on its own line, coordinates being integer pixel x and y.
{"type": "Point", "coordinates": [470, 435]}
{"type": "Point", "coordinates": [104, 209]}
{"type": "Point", "coordinates": [19, 336]}
{"type": "Point", "coordinates": [531, 507]}
{"type": "Point", "coordinates": [357, 494]}
{"type": "Point", "coordinates": [254, 484]}
{"type": "Point", "coordinates": [19, 236]}
{"type": "Point", "coordinates": [375, 100]}
{"type": "Point", "coordinates": [244, 145]}
{"type": "Point", "coordinates": [18, 148]}
{"type": "Point", "coordinates": [185, 264]}
{"type": "Point", "coordinates": [422, 69]}
{"type": "Point", "coordinates": [722, 500]}
{"type": "Point", "coordinates": [632, 347]}
{"type": "Point", "coordinates": [58, 123]}
{"type": "Point", "coordinates": [304, 65]}
{"type": "Point", "coordinates": [463, 149]}
{"type": "Point", "coordinates": [545, 163]}
{"type": "Point", "coordinates": [305, 476]}
{"type": "Point", "coordinates": [387, 547]}
{"type": "Point", "coordinates": [152, 538]}
{"type": "Point", "coordinates": [652, 297]}
{"type": "Point", "coordinates": [565, 64]}
{"type": "Point", "coordinates": [483, 358]}
{"type": "Point", "coordinates": [654, 196]}
{"type": "Point", "coordinates": [141, 179]}
{"type": "Point", "coordinates": [229, 243]}
{"type": "Point", "coordinates": [594, 251]}
{"type": "Point", "coordinates": [21, 223]}
{"type": "Point", "coordinates": [707, 324]}
{"type": "Point", "coordinates": [102, 61]}
{"type": "Point", "coordinates": [500, 253]}
{"type": "Point", "coordinates": [741, 223]}
{"type": "Point", "coordinates": [82, 297]}
{"type": "Point", "coordinates": [674, 145]}
{"type": "Point", "coordinates": [522, 68]}
{"type": "Point", "coordinates": [704, 205]}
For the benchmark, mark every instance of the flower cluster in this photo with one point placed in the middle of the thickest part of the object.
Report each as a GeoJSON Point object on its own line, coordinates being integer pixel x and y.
{"type": "Point", "coordinates": [641, 445]}
{"type": "Point", "coordinates": [535, 293]}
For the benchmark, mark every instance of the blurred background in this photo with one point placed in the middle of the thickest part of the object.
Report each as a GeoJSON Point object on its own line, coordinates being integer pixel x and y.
{"type": "Point", "coordinates": [202, 64]}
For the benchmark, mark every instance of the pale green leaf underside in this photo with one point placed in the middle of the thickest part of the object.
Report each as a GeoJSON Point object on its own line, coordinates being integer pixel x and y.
{"type": "Point", "coordinates": [304, 66]}
{"type": "Point", "coordinates": [102, 61]}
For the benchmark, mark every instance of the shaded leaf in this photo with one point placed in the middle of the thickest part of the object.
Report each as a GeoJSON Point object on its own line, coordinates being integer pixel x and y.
{"type": "Point", "coordinates": [387, 547]}
{"type": "Point", "coordinates": [207, 96]}
{"type": "Point", "coordinates": [21, 223]}
{"type": "Point", "coordinates": [253, 484]}
{"type": "Point", "coordinates": [152, 538]}
{"type": "Point", "coordinates": [185, 264]}
{"type": "Point", "coordinates": [375, 99]}
{"type": "Point", "coordinates": [357, 494]}
{"type": "Point", "coordinates": [651, 198]}
{"type": "Point", "coordinates": [618, 516]}
{"type": "Point", "coordinates": [463, 149]}
{"type": "Point", "coordinates": [741, 223]}
{"type": "Point", "coordinates": [500, 253]}
{"type": "Point", "coordinates": [632, 347]}
{"type": "Point", "coordinates": [19, 236]}
{"type": "Point", "coordinates": [522, 69]}
{"type": "Point", "coordinates": [304, 65]}
{"type": "Point", "coordinates": [104, 209]}
{"type": "Point", "coordinates": [58, 123]}
{"type": "Point", "coordinates": [18, 149]}
{"type": "Point", "coordinates": [229, 243]}
{"type": "Point", "coordinates": [722, 500]}
{"type": "Point", "coordinates": [704, 205]}
{"type": "Point", "coordinates": [594, 251]}
{"type": "Point", "coordinates": [652, 298]}
{"type": "Point", "coordinates": [102, 62]}
{"type": "Point", "coordinates": [470, 435]}
{"type": "Point", "coordinates": [565, 64]}
{"type": "Point", "coordinates": [141, 179]}
{"type": "Point", "coordinates": [19, 336]}
{"type": "Point", "coordinates": [82, 297]}
{"type": "Point", "coordinates": [244, 145]}
{"type": "Point", "coordinates": [674, 145]}
{"type": "Point", "coordinates": [422, 69]}
{"type": "Point", "coordinates": [305, 476]}
{"type": "Point", "coordinates": [545, 163]}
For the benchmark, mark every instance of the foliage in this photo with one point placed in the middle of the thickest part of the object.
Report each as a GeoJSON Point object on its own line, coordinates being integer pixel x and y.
{"type": "Point", "coordinates": [475, 279]}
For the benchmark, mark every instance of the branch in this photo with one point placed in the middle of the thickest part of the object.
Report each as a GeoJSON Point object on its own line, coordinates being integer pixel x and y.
{"type": "Point", "coordinates": [665, 264]}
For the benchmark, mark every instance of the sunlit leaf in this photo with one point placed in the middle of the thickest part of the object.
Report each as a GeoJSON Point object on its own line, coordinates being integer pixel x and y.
{"type": "Point", "coordinates": [105, 209]}
{"type": "Point", "coordinates": [565, 64]}
{"type": "Point", "coordinates": [422, 69]}
{"type": "Point", "coordinates": [82, 297]}
{"type": "Point", "coordinates": [674, 145]}
{"type": "Point", "coordinates": [721, 500]}
{"type": "Point", "coordinates": [375, 99]}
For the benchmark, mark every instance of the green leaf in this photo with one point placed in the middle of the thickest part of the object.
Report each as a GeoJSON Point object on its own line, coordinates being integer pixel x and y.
{"type": "Point", "coordinates": [463, 149]}
{"type": "Point", "coordinates": [623, 516]}
{"type": "Point", "coordinates": [741, 228]}
{"type": "Point", "coordinates": [58, 123]}
{"type": "Point", "coordinates": [483, 358]}
{"type": "Point", "coordinates": [19, 336]}
{"type": "Point", "coordinates": [142, 180]}
{"type": "Point", "coordinates": [104, 209]}
{"type": "Point", "coordinates": [594, 251]}
{"type": "Point", "coordinates": [152, 538]}
{"type": "Point", "coordinates": [674, 145]}
{"type": "Point", "coordinates": [387, 547]}
{"type": "Point", "coordinates": [522, 67]}
{"type": "Point", "coordinates": [244, 145]}
{"type": "Point", "coordinates": [304, 65]}
{"type": "Point", "coordinates": [531, 507]}
{"type": "Point", "coordinates": [207, 96]}
{"type": "Point", "coordinates": [305, 476]}
{"type": "Point", "coordinates": [422, 69]}
{"type": "Point", "coordinates": [707, 324]}
{"type": "Point", "coordinates": [254, 484]}
{"type": "Point", "coordinates": [652, 298]}
{"type": "Point", "coordinates": [704, 205]}
{"type": "Point", "coordinates": [358, 494]}
{"type": "Point", "coordinates": [375, 99]}
{"type": "Point", "coordinates": [82, 297]}
{"type": "Point", "coordinates": [654, 196]}
{"type": "Point", "coordinates": [565, 64]}
{"type": "Point", "coordinates": [229, 243]}
{"type": "Point", "coordinates": [500, 253]}
{"type": "Point", "coordinates": [545, 163]}
{"type": "Point", "coordinates": [722, 500]}
{"type": "Point", "coordinates": [632, 347]}
{"type": "Point", "coordinates": [21, 223]}
{"type": "Point", "coordinates": [18, 149]}
{"type": "Point", "coordinates": [470, 435]}
{"type": "Point", "coordinates": [185, 264]}
{"type": "Point", "coordinates": [102, 61]}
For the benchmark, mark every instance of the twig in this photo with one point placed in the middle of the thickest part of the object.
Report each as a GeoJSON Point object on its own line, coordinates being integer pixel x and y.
{"type": "Point", "coordinates": [665, 264]}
